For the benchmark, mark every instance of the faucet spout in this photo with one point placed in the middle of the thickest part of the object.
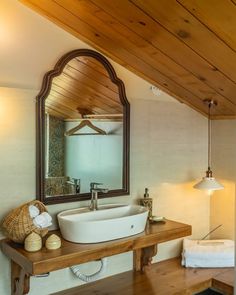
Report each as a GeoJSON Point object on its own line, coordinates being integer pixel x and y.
{"type": "Point", "coordinates": [94, 195]}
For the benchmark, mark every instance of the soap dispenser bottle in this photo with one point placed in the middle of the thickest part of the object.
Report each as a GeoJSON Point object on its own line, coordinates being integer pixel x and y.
{"type": "Point", "coordinates": [147, 202]}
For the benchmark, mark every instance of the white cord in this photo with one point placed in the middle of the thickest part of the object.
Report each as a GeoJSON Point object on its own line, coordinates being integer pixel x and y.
{"type": "Point", "coordinates": [89, 278]}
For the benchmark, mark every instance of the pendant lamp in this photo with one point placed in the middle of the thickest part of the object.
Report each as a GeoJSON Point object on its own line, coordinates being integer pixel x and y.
{"type": "Point", "coordinates": [209, 182]}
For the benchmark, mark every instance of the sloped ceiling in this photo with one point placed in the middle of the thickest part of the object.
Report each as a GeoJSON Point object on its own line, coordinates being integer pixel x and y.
{"type": "Point", "coordinates": [185, 47]}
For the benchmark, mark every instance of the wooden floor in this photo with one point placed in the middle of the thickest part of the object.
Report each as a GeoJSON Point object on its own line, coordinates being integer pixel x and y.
{"type": "Point", "coordinates": [163, 278]}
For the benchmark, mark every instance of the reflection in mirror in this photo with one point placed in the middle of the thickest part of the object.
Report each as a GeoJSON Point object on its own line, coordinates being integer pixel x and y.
{"type": "Point", "coordinates": [82, 130]}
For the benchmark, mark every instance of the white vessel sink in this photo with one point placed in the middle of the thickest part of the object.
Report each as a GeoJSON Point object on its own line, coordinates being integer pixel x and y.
{"type": "Point", "coordinates": [106, 224]}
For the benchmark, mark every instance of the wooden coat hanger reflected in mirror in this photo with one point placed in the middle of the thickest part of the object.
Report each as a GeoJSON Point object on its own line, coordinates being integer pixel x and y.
{"type": "Point", "coordinates": [85, 123]}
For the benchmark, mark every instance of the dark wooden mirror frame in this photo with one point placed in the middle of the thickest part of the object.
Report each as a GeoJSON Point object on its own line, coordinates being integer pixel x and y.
{"type": "Point", "coordinates": [40, 129]}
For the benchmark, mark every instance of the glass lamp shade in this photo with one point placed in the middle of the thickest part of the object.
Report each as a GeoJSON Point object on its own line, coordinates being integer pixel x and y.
{"type": "Point", "coordinates": [209, 183]}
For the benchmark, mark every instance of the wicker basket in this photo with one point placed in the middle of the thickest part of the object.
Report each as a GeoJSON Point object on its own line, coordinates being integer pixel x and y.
{"type": "Point", "coordinates": [18, 223]}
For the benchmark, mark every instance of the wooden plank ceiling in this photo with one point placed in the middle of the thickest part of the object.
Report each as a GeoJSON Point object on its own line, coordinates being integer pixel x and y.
{"type": "Point", "coordinates": [83, 88]}
{"type": "Point", "coordinates": [185, 47]}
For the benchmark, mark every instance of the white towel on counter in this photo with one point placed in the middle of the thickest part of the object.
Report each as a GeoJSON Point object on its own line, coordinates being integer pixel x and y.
{"type": "Point", "coordinates": [43, 220]}
{"type": "Point", "coordinates": [208, 253]}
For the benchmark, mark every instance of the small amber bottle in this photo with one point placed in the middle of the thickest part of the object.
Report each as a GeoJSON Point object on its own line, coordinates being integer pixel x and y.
{"type": "Point", "coordinates": [147, 202]}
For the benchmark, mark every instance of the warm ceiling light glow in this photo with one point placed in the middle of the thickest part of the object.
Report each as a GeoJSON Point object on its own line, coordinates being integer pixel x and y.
{"type": "Point", "coordinates": [4, 34]}
{"type": "Point", "coordinates": [2, 109]}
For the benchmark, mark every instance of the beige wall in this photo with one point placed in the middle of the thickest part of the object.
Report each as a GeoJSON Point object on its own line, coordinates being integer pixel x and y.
{"type": "Point", "coordinates": [166, 156]}
{"type": "Point", "coordinates": [168, 140]}
{"type": "Point", "coordinates": [224, 160]}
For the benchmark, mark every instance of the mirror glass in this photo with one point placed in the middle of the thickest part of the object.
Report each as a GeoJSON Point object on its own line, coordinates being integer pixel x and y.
{"type": "Point", "coordinates": [83, 129]}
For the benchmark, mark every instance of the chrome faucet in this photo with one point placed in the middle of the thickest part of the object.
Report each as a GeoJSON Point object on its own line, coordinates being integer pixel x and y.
{"type": "Point", "coordinates": [94, 195]}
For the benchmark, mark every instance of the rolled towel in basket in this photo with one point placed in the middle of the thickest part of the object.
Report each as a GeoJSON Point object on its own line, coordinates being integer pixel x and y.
{"type": "Point", "coordinates": [33, 211]}
{"type": "Point", "coordinates": [210, 253]}
{"type": "Point", "coordinates": [43, 220]}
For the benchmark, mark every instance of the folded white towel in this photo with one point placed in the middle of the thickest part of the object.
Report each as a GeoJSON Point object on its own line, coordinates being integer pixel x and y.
{"type": "Point", "coordinates": [208, 263]}
{"type": "Point", "coordinates": [210, 253]}
{"type": "Point", "coordinates": [33, 211]}
{"type": "Point", "coordinates": [42, 220]}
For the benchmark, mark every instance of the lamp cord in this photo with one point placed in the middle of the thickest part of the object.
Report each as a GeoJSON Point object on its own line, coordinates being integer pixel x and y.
{"type": "Point", "coordinates": [209, 135]}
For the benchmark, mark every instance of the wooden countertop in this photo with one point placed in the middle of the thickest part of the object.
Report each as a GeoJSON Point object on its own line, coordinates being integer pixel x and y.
{"type": "Point", "coordinates": [70, 254]}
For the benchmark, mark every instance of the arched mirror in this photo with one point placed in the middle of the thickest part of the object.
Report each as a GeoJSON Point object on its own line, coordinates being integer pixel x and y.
{"type": "Point", "coordinates": [82, 130]}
